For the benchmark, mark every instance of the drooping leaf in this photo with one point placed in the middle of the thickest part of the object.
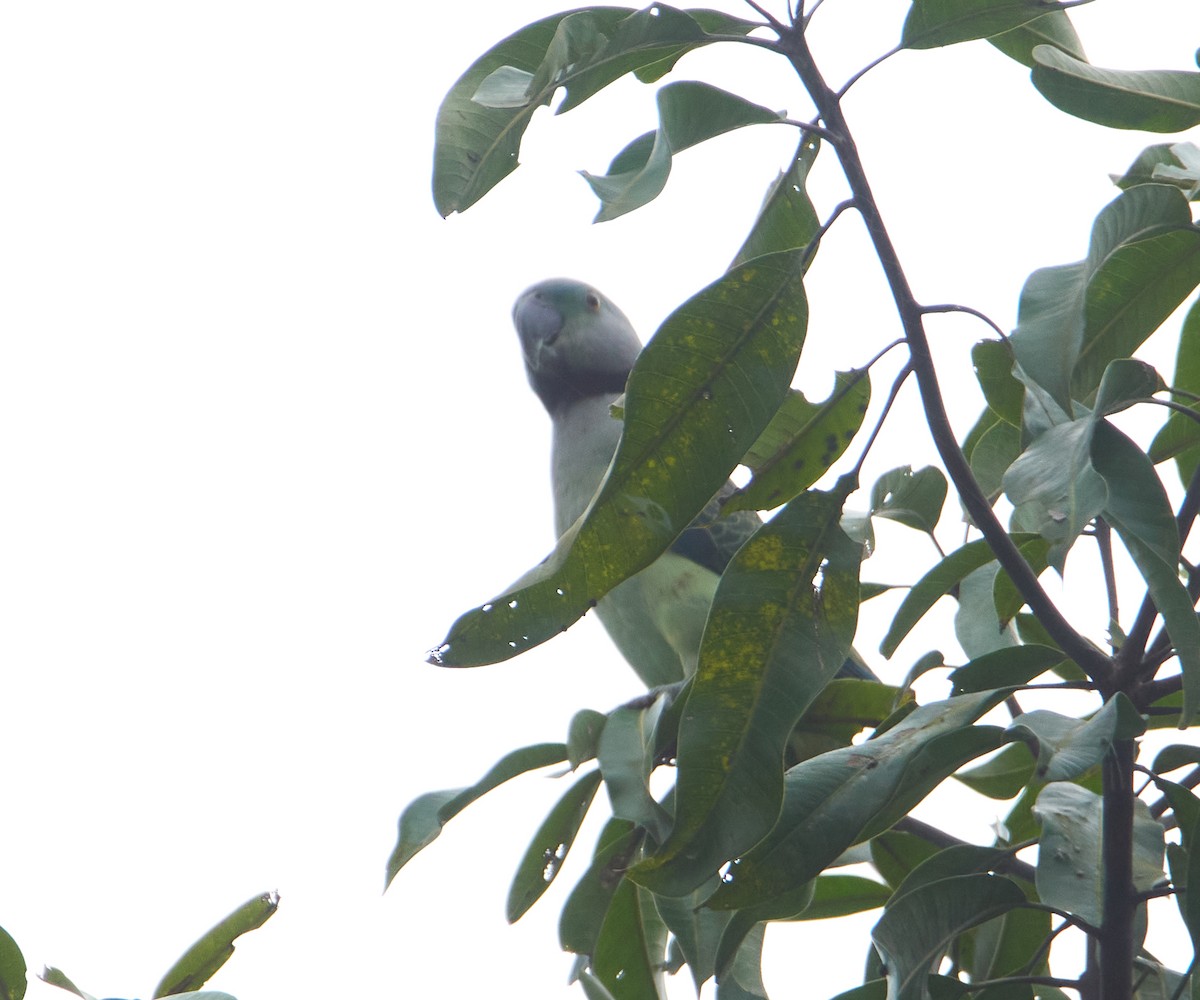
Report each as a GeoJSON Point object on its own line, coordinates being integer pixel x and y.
{"type": "Point", "coordinates": [201, 961]}
{"type": "Point", "coordinates": [1054, 28]}
{"type": "Point", "coordinates": [697, 930]}
{"type": "Point", "coordinates": [1185, 870]}
{"type": "Point", "coordinates": [700, 394]}
{"type": "Point", "coordinates": [1070, 869]}
{"type": "Point", "coordinates": [914, 499]}
{"type": "Point", "coordinates": [423, 819]}
{"type": "Point", "coordinates": [56, 977]}
{"type": "Point", "coordinates": [1138, 510]}
{"type": "Point", "coordinates": [842, 710]}
{"type": "Point", "coordinates": [895, 853]}
{"type": "Point", "coordinates": [1180, 437]}
{"type": "Point", "coordinates": [802, 442]}
{"type": "Point", "coordinates": [918, 928]}
{"type": "Point", "coordinates": [1184, 173]}
{"type": "Point", "coordinates": [1073, 319]}
{"type": "Point", "coordinates": [1006, 946]}
{"type": "Point", "coordinates": [1069, 747]}
{"type": "Point", "coordinates": [544, 858]}
{"type": "Point", "coordinates": [583, 735]}
{"type": "Point", "coordinates": [626, 757]}
{"type": "Point", "coordinates": [583, 51]}
{"type": "Point", "coordinates": [1010, 667]}
{"type": "Point", "coordinates": [689, 113]}
{"type": "Point", "coordinates": [1151, 101]}
{"type": "Point", "coordinates": [13, 973]}
{"type": "Point", "coordinates": [1005, 596]}
{"type": "Point", "coordinates": [939, 582]}
{"type": "Point", "coordinates": [776, 635]}
{"type": "Point", "coordinates": [787, 219]}
{"type": "Point", "coordinates": [841, 895]}
{"type": "Point", "coordinates": [631, 945]}
{"type": "Point", "coordinates": [991, 452]}
{"type": "Point", "coordinates": [977, 626]}
{"type": "Point", "coordinates": [839, 798]}
{"type": "Point", "coordinates": [583, 913]}
{"type": "Point", "coordinates": [1175, 756]}
{"type": "Point", "coordinates": [993, 363]}
{"type": "Point", "coordinates": [741, 979]}
{"type": "Point", "coordinates": [932, 23]}
{"type": "Point", "coordinates": [1143, 169]}
{"type": "Point", "coordinates": [1004, 775]}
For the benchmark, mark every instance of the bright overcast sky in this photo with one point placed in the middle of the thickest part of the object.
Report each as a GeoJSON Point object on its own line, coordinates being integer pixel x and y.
{"type": "Point", "coordinates": [265, 433]}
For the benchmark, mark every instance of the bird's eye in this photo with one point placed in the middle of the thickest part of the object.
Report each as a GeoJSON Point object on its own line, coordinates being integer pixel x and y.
{"type": "Point", "coordinates": [592, 300]}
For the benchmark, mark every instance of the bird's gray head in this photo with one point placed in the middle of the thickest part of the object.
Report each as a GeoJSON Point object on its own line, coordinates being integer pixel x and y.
{"type": "Point", "coordinates": [576, 343]}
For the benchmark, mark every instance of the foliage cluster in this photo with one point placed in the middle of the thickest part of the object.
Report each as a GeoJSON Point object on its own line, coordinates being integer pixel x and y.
{"type": "Point", "coordinates": [775, 788]}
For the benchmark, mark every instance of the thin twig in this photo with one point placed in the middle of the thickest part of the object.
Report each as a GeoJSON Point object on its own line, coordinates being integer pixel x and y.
{"type": "Point", "coordinates": [899, 381]}
{"type": "Point", "coordinates": [949, 307]}
{"type": "Point", "coordinates": [1104, 543]}
{"type": "Point", "coordinates": [867, 69]}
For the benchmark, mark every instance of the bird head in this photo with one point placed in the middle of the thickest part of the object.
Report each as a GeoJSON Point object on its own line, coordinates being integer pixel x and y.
{"type": "Point", "coordinates": [576, 343]}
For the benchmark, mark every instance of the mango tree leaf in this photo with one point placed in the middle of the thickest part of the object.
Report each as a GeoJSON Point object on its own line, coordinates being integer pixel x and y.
{"type": "Point", "coordinates": [835, 800]}
{"type": "Point", "coordinates": [939, 582]}
{"type": "Point", "coordinates": [1005, 395]}
{"type": "Point", "coordinates": [932, 23]}
{"type": "Point", "coordinates": [802, 442]}
{"type": "Point", "coordinates": [1010, 667]}
{"type": "Point", "coordinates": [1006, 945]}
{"type": "Point", "coordinates": [476, 145]}
{"type": "Point", "coordinates": [1054, 28]}
{"type": "Point", "coordinates": [198, 964]}
{"type": "Point", "coordinates": [1004, 775]}
{"type": "Point", "coordinates": [841, 895]}
{"type": "Point", "coordinates": [1185, 871]}
{"type": "Point", "coordinates": [699, 396]}
{"type": "Point", "coordinates": [56, 977]}
{"type": "Point", "coordinates": [1054, 489]}
{"type": "Point", "coordinates": [583, 735]}
{"type": "Point", "coordinates": [1144, 167]}
{"type": "Point", "coordinates": [1151, 101]}
{"type": "Point", "coordinates": [843, 709]}
{"type": "Point", "coordinates": [1073, 319]}
{"type": "Point", "coordinates": [787, 219]}
{"type": "Point", "coordinates": [1070, 867]}
{"type": "Point", "coordinates": [593, 989]}
{"type": "Point", "coordinates": [896, 853]}
{"type": "Point", "coordinates": [914, 499]}
{"type": "Point", "coordinates": [918, 928]}
{"type": "Point", "coordinates": [13, 972]}
{"type": "Point", "coordinates": [992, 453]}
{"type": "Point", "coordinates": [1140, 513]}
{"type": "Point", "coordinates": [544, 858]}
{"type": "Point", "coordinates": [776, 635]}
{"type": "Point", "coordinates": [1184, 173]}
{"type": "Point", "coordinates": [741, 979]}
{"type": "Point", "coordinates": [977, 626]}
{"type": "Point", "coordinates": [626, 756]}
{"type": "Point", "coordinates": [1180, 437]}
{"type": "Point", "coordinates": [583, 913]}
{"type": "Point", "coordinates": [423, 819]}
{"type": "Point", "coordinates": [1005, 596]}
{"type": "Point", "coordinates": [689, 113]}
{"type": "Point", "coordinates": [631, 945]}
{"type": "Point", "coordinates": [697, 930]}
{"type": "Point", "coordinates": [1175, 756]}
{"type": "Point", "coordinates": [1069, 747]}
{"type": "Point", "coordinates": [1126, 381]}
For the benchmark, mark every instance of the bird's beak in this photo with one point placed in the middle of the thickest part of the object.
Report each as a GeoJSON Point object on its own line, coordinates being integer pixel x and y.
{"type": "Point", "coordinates": [539, 324]}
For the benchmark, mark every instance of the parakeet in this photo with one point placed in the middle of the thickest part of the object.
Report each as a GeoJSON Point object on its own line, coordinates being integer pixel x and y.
{"type": "Point", "coordinates": [579, 349]}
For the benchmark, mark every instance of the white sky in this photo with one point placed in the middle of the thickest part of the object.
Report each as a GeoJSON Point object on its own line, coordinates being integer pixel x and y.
{"type": "Point", "coordinates": [265, 433]}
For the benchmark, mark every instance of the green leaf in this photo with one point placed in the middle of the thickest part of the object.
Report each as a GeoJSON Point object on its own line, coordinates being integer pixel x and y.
{"type": "Point", "coordinates": [1054, 28]}
{"type": "Point", "coordinates": [1126, 381]}
{"type": "Point", "coordinates": [1073, 319]}
{"type": "Point", "coordinates": [544, 858]}
{"type": "Point", "coordinates": [198, 964]}
{"type": "Point", "coordinates": [1184, 173]}
{"type": "Point", "coordinates": [1151, 101]}
{"type": "Point", "coordinates": [914, 499]}
{"type": "Point", "coordinates": [895, 854]}
{"type": "Point", "coordinates": [1004, 775]}
{"type": "Point", "coordinates": [1139, 511]}
{"type": "Point", "coordinates": [583, 913]}
{"type": "Point", "coordinates": [1180, 437]}
{"type": "Point", "coordinates": [626, 757]}
{"type": "Point", "coordinates": [1054, 489]}
{"type": "Point", "coordinates": [1005, 596]}
{"type": "Point", "coordinates": [776, 635]}
{"type": "Point", "coordinates": [423, 819]}
{"type": "Point", "coordinates": [1143, 170]}
{"type": "Point", "coordinates": [583, 51]}
{"type": "Point", "coordinates": [977, 626]}
{"type": "Point", "coordinates": [1010, 667]}
{"type": "Point", "coordinates": [932, 23]}
{"type": "Point", "coordinates": [13, 972]}
{"type": "Point", "coordinates": [917, 929]}
{"type": "Point", "coordinates": [630, 947]}
{"type": "Point", "coordinates": [1005, 395]}
{"type": "Point", "coordinates": [841, 895]}
{"type": "Point", "coordinates": [697, 930]}
{"type": "Point", "coordinates": [699, 396]}
{"type": "Point", "coordinates": [1185, 871]}
{"type": "Point", "coordinates": [992, 453]}
{"type": "Point", "coordinates": [1175, 756]}
{"type": "Point", "coordinates": [802, 442]}
{"type": "Point", "coordinates": [1069, 747]}
{"type": "Point", "coordinates": [1007, 945]}
{"type": "Point", "coordinates": [56, 977]}
{"type": "Point", "coordinates": [1070, 869]}
{"type": "Point", "coordinates": [939, 582]}
{"type": "Point", "coordinates": [741, 979]}
{"type": "Point", "coordinates": [583, 735]}
{"type": "Point", "coordinates": [848, 795]}
{"type": "Point", "coordinates": [787, 219]}
{"type": "Point", "coordinates": [689, 113]}
{"type": "Point", "coordinates": [842, 710]}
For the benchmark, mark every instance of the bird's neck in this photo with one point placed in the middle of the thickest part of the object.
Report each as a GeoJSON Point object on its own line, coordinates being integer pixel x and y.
{"type": "Point", "coordinates": [561, 391]}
